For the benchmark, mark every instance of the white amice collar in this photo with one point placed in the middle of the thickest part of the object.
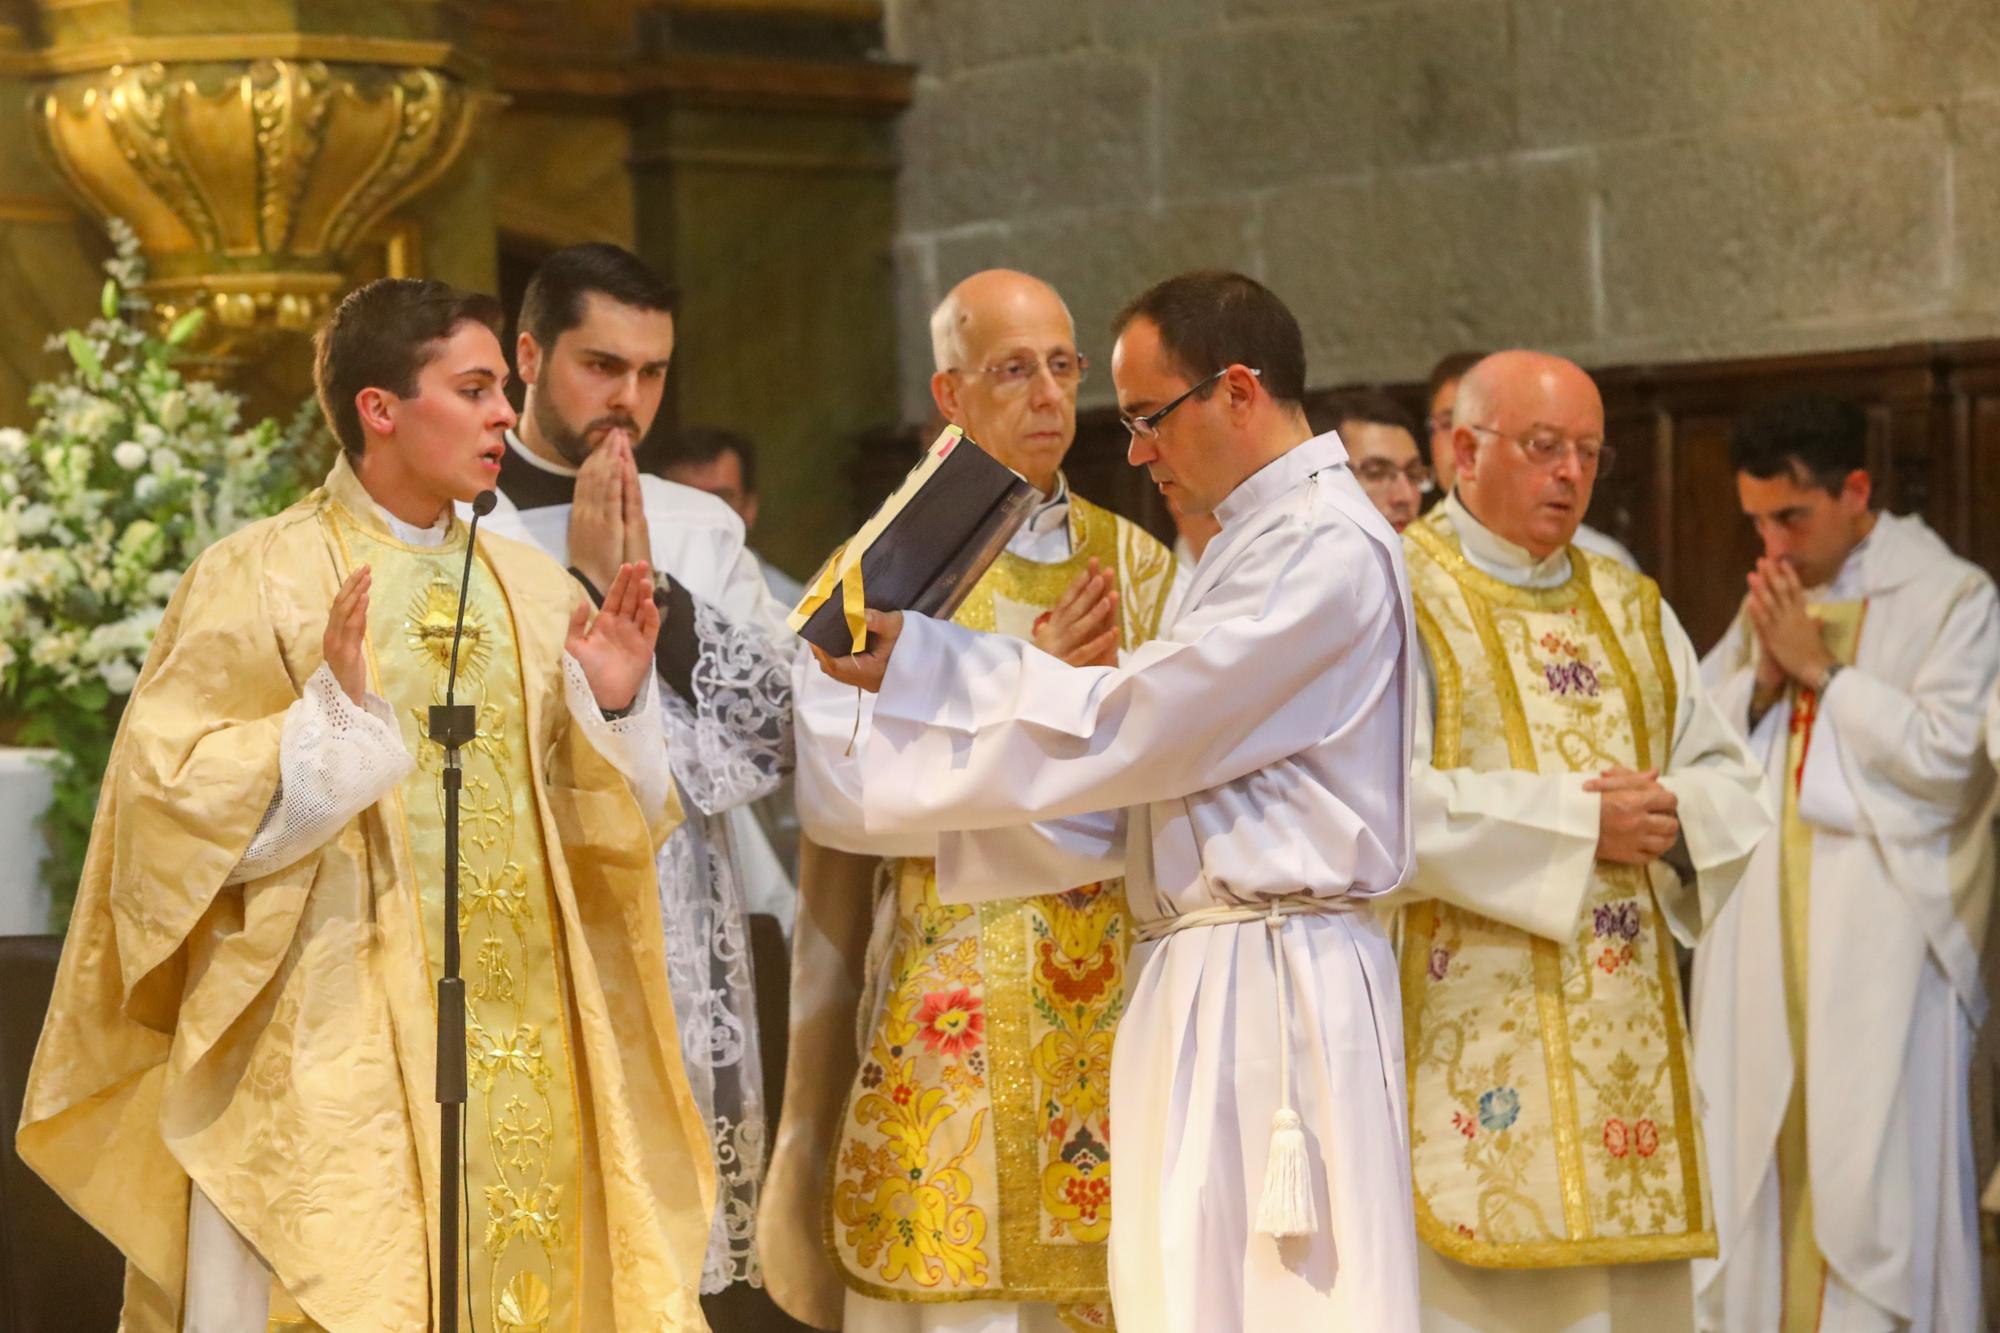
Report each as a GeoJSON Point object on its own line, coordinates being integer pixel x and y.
{"type": "Point", "coordinates": [1851, 581]}
{"type": "Point", "coordinates": [411, 535]}
{"type": "Point", "coordinates": [535, 460]}
{"type": "Point", "coordinates": [1279, 476]}
{"type": "Point", "coordinates": [1053, 512]}
{"type": "Point", "coordinates": [1495, 555]}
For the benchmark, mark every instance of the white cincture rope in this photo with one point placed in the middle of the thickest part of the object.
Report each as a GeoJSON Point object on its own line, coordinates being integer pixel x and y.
{"type": "Point", "coordinates": [1286, 1207]}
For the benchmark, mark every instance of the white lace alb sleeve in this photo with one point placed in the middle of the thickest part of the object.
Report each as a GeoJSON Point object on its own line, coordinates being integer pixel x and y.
{"type": "Point", "coordinates": [335, 759]}
{"type": "Point", "coordinates": [631, 743]}
{"type": "Point", "coordinates": [733, 744]}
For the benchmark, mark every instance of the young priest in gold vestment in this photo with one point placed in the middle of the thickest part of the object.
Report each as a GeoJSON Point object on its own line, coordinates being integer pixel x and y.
{"type": "Point", "coordinates": [1579, 804]}
{"type": "Point", "coordinates": [235, 1083]}
{"type": "Point", "coordinates": [979, 1095]}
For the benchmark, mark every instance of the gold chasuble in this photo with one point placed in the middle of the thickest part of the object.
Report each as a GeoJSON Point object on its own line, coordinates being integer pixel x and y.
{"type": "Point", "coordinates": [273, 1041]}
{"type": "Point", "coordinates": [1551, 1108]}
{"type": "Point", "coordinates": [973, 1158]}
{"type": "Point", "coordinates": [1805, 1268]}
{"type": "Point", "coordinates": [522, 1158]}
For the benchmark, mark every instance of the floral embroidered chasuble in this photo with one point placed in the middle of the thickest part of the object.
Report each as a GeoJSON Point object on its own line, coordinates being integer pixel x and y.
{"type": "Point", "coordinates": [1552, 1118]}
{"type": "Point", "coordinates": [974, 1154]}
{"type": "Point", "coordinates": [521, 1112]}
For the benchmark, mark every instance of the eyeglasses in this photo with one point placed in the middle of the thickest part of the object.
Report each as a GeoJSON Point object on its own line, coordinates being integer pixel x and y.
{"type": "Point", "coordinates": [1148, 426]}
{"type": "Point", "coordinates": [1375, 473]}
{"type": "Point", "coordinates": [1438, 421]}
{"type": "Point", "coordinates": [1544, 448]}
{"type": "Point", "coordinates": [1064, 368]}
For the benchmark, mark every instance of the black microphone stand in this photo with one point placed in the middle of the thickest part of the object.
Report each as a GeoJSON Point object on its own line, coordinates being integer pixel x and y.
{"type": "Point", "coordinates": [453, 725]}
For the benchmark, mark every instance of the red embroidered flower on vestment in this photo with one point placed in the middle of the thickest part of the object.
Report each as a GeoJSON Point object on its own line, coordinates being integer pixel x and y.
{"type": "Point", "coordinates": [951, 1024]}
{"type": "Point", "coordinates": [1646, 1137]}
{"type": "Point", "coordinates": [1078, 980]}
{"type": "Point", "coordinates": [1617, 1138]}
{"type": "Point", "coordinates": [1088, 1197]}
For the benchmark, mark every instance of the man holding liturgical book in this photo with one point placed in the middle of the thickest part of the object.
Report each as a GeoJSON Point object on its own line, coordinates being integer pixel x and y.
{"type": "Point", "coordinates": [1247, 772]}
{"type": "Point", "coordinates": [976, 1105]}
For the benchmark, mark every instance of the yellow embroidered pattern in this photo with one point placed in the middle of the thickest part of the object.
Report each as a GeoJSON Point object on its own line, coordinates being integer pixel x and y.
{"type": "Point", "coordinates": [521, 1116]}
{"type": "Point", "coordinates": [975, 1159]}
{"type": "Point", "coordinates": [1552, 1118]}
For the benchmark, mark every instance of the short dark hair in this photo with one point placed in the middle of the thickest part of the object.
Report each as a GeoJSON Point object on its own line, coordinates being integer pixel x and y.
{"type": "Point", "coordinates": [1810, 437]}
{"type": "Point", "coordinates": [1373, 406]}
{"type": "Point", "coordinates": [1450, 367]}
{"type": "Point", "coordinates": [704, 444]}
{"type": "Point", "coordinates": [381, 337]}
{"type": "Point", "coordinates": [1210, 319]}
{"type": "Point", "coordinates": [553, 303]}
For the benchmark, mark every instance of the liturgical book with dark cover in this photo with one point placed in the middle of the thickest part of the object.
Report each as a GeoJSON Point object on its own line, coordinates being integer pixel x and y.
{"type": "Point", "coordinates": [923, 549]}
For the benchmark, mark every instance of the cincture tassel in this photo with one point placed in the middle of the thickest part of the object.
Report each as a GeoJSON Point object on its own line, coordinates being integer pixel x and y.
{"type": "Point", "coordinates": [1286, 1208]}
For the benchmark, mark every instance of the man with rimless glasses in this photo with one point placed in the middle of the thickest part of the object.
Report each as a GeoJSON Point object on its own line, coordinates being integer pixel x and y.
{"type": "Point", "coordinates": [978, 1101]}
{"type": "Point", "coordinates": [1579, 803]}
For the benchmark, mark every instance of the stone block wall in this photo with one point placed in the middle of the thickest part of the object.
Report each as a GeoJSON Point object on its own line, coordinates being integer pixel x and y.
{"type": "Point", "coordinates": [1620, 180]}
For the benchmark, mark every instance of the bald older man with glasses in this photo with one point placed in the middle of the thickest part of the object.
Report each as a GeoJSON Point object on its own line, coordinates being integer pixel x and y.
{"type": "Point", "coordinates": [1579, 803]}
{"type": "Point", "coordinates": [967, 1143]}
{"type": "Point", "coordinates": [1443, 390]}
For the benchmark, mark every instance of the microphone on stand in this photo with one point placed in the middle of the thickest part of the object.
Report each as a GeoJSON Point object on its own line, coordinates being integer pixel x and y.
{"type": "Point", "coordinates": [453, 724]}
{"type": "Point", "coordinates": [482, 505]}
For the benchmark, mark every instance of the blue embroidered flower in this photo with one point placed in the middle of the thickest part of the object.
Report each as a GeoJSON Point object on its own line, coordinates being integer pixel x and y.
{"type": "Point", "coordinates": [1498, 1108]}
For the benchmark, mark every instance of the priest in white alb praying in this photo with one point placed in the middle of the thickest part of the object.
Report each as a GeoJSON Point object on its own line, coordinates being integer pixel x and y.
{"type": "Point", "coordinates": [1247, 773]}
{"type": "Point", "coordinates": [1836, 999]}
{"type": "Point", "coordinates": [1580, 803]}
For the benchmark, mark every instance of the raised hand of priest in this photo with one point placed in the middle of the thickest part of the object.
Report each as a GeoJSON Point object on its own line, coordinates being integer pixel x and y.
{"type": "Point", "coordinates": [1082, 627]}
{"type": "Point", "coordinates": [1637, 821]}
{"type": "Point", "coordinates": [638, 537]}
{"type": "Point", "coordinates": [597, 517]}
{"type": "Point", "coordinates": [346, 640]}
{"type": "Point", "coordinates": [1785, 633]}
{"type": "Point", "coordinates": [615, 648]}
{"type": "Point", "coordinates": [865, 670]}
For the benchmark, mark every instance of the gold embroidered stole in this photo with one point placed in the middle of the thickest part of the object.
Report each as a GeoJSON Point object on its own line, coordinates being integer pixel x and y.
{"type": "Point", "coordinates": [973, 1161]}
{"type": "Point", "coordinates": [1552, 1117]}
{"type": "Point", "coordinates": [522, 1115]}
{"type": "Point", "coordinates": [1805, 1267]}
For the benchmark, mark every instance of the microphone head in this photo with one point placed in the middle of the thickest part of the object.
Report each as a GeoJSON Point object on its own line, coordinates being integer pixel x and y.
{"type": "Point", "coordinates": [482, 503]}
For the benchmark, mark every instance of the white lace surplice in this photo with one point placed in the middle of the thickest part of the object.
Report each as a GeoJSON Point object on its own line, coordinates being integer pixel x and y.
{"type": "Point", "coordinates": [731, 747]}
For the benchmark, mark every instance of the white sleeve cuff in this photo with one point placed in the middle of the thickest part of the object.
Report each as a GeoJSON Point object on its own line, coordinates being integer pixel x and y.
{"type": "Point", "coordinates": [635, 743]}
{"type": "Point", "coordinates": [335, 759]}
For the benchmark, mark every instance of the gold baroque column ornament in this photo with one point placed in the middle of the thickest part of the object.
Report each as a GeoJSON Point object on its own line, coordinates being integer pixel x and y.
{"type": "Point", "coordinates": [249, 182]}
